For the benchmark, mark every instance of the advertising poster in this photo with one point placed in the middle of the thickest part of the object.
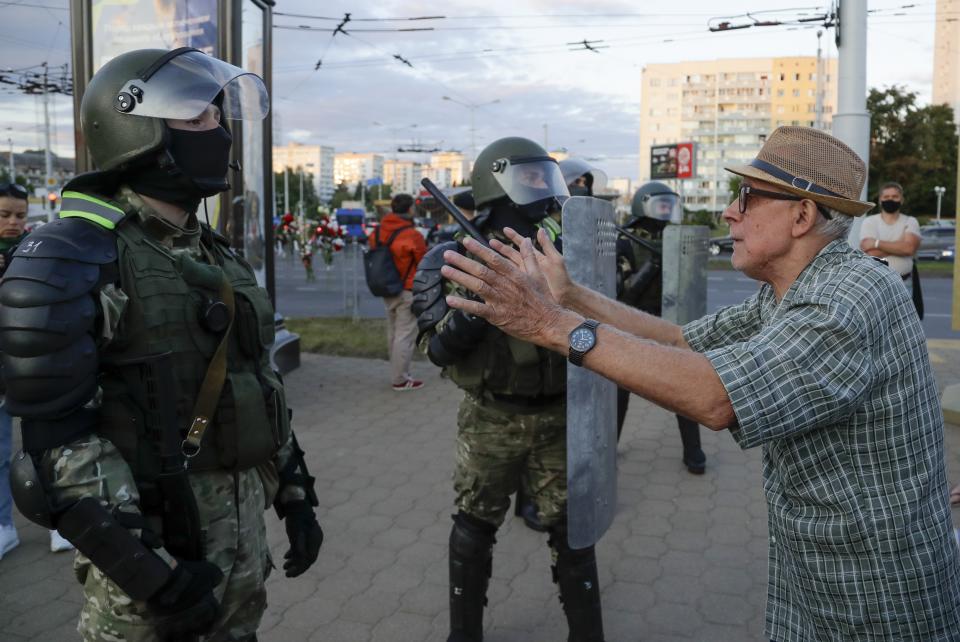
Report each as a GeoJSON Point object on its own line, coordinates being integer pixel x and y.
{"type": "Point", "coordinates": [121, 25]}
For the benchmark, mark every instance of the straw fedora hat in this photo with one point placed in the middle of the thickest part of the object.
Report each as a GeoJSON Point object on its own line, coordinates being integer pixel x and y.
{"type": "Point", "coordinates": [812, 164]}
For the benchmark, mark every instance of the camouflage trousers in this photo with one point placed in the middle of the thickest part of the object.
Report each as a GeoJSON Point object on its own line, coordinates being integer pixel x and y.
{"type": "Point", "coordinates": [231, 510]}
{"type": "Point", "coordinates": [499, 447]}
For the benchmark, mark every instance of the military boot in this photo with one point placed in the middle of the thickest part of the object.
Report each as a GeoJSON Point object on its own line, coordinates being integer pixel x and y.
{"type": "Point", "coordinates": [471, 562]}
{"type": "Point", "coordinates": [575, 571]}
{"type": "Point", "coordinates": [693, 457]}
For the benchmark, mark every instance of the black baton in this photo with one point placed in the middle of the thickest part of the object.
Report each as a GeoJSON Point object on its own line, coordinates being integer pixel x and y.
{"type": "Point", "coordinates": [454, 211]}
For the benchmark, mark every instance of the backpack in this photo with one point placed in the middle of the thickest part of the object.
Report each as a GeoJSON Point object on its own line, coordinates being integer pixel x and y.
{"type": "Point", "coordinates": [383, 278]}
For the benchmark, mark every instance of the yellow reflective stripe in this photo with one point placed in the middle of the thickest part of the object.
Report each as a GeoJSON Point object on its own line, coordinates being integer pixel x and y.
{"type": "Point", "coordinates": [95, 201]}
{"type": "Point", "coordinates": [94, 218]}
{"type": "Point", "coordinates": [552, 228]}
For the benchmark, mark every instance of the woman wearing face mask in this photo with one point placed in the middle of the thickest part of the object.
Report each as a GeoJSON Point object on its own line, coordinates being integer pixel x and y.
{"type": "Point", "coordinates": [892, 235]}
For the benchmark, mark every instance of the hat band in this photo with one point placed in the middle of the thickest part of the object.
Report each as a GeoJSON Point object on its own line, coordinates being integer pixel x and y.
{"type": "Point", "coordinates": [794, 181]}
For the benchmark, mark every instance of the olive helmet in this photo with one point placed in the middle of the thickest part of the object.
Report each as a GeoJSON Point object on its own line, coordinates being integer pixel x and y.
{"type": "Point", "coordinates": [658, 202]}
{"type": "Point", "coordinates": [574, 168]}
{"type": "Point", "coordinates": [517, 169]}
{"type": "Point", "coordinates": [124, 106]}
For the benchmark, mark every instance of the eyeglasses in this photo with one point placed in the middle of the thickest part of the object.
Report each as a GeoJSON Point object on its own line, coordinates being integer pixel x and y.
{"type": "Point", "coordinates": [747, 190]}
{"type": "Point", "coordinates": [13, 189]}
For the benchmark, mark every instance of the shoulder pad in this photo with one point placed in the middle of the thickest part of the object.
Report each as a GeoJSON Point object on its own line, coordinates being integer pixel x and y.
{"type": "Point", "coordinates": [74, 239]}
{"type": "Point", "coordinates": [429, 304]}
{"type": "Point", "coordinates": [214, 235]}
{"type": "Point", "coordinates": [91, 208]}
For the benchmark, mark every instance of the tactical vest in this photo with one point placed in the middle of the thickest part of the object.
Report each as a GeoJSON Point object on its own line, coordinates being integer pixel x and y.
{"type": "Point", "coordinates": [169, 294]}
{"type": "Point", "coordinates": [504, 365]}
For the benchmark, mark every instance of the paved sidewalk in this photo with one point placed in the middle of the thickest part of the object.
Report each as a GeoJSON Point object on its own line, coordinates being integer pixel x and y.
{"type": "Point", "coordinates": [685, 559]}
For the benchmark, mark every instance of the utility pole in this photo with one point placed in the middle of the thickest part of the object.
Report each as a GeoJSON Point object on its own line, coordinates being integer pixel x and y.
{"type": "Point", "coordinates": [818, 122]}
{"type": "Point", "coordinates": [473, 130]}
{"type": "Point", "coordinates": [851, 124]}
{"type": "Point", "coordinates": [939, 191]}
{"type": "Point", "coordinates": [13, 167]}
{"type": "Point", "coordinates": [286, 190]}
{"type": "Point", "coordinates": [47, 159]}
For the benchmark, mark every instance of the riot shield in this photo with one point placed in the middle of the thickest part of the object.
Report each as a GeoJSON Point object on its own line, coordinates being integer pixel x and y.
{"type": "Point", "coordinates": [589, 252]}
{"type": "Point", "coordinates": [684, 296]}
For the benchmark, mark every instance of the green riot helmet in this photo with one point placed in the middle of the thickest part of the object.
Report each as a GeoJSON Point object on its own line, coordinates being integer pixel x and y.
{"type": "Point", "coordinates": [519, 171]}
{"type": "Point", "coordinates": [124, 106]}
{"type": "Point", "coordinates": [594, 178]}
{"type": "Point", "coordinates": [656, 204]}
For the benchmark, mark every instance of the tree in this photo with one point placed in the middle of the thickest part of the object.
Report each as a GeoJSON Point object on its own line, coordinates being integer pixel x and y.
{"type": "Point", "coordinates": [310, 200]}
{"type": "Point", "coordinates": [914, 146]}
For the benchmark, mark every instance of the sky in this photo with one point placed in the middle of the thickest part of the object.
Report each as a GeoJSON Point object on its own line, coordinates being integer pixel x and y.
{"type": "Point", "coordinates": [509, 58]}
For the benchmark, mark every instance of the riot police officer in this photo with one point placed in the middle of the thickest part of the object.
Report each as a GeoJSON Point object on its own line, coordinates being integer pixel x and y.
{"type": "Point", "coordinates": [581, 177]}
{"type": "Point", "coordinates": [512, 420]}
{"type": "Point", "coordinates": [639, 284]}
{"type": "Point", "coordinates": [135, 348]}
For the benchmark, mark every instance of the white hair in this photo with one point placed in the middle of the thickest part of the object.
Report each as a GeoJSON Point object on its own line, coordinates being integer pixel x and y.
{"type": "Point", "coordinates": [836, 227]}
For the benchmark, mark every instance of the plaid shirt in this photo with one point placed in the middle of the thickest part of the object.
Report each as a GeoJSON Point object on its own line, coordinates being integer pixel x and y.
{"type": "Point", "coordinates": [835, 382]}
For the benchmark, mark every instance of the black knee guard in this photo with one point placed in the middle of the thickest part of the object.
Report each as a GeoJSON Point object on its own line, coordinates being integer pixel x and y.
{"type": "Point", "coordinates": [471, 563]}
{"type": "Point", "coordinates": [576, 574]}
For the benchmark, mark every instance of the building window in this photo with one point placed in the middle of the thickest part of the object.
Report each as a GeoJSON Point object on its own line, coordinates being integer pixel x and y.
{"type": "Point", "coordinates": [654, 82]}
{"type": "Point", "coordinates": [780, 93]}
{"type": "Point", "coordinates": [796, 76]}
{"type": "Point", "coordinates": [782, 77]}
{"type": "Point", "coordinates": [796, 93]}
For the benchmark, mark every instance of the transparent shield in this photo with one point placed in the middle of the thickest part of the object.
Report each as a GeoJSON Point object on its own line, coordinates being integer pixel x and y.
{"type": "Point", "coordinates": [526, 180]}
{"type": "Point", "coordinates": [184, 86]}
{"type": "Point", "coordinates": [589, 252]}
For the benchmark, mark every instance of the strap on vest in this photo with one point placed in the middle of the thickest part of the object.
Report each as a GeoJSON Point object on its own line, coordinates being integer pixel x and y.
{"type": "Point", "coordinates": [78, 205]}
{"type": "Point", "coordinates": [206, 405]}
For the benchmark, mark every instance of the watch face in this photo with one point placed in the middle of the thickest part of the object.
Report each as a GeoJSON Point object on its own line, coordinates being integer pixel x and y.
{"type": "Point", "coordinates": [582, 339]}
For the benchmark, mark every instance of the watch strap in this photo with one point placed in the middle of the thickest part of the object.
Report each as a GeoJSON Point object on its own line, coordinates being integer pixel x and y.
{"type": "Point", "coordinates": [576, 356]}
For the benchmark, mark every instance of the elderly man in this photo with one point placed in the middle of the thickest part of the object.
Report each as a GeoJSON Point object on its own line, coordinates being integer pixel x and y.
{"type": "Point", "coordinates": [825, 366]}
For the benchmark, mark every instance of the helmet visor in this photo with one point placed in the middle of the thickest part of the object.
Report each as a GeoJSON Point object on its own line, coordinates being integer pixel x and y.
{"type": "Point", "coordinates": [530, 179]}
{"type": "Point", "coordinates": [574, 168]}
{"type": "Point", "coordinates": [187, 82]}
{"type": "Point", "coordinates": [663, 207]}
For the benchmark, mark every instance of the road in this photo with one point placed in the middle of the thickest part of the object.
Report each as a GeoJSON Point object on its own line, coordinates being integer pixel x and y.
{"type": "Point", "coordinates": [325, 296]}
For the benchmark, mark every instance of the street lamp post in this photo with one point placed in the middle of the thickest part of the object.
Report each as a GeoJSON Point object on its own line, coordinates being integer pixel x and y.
{"type": "Point", "coordinates": [473, 132]}
{"type": "Point", "coordinates": [939, 192]}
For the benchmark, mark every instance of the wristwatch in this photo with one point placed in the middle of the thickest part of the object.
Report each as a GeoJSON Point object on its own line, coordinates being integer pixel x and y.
{"type": "Point", "coordinates": [582, 340]}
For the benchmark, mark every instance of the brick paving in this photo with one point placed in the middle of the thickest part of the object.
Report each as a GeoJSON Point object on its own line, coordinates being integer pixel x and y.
{"type": "Point", "coordinates": [684, 560]}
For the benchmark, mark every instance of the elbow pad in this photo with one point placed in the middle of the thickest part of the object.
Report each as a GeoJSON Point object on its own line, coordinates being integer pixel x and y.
{"type": "Point", "coordinates": [429, 300]}
{"type": "Point", "coordinates": [458, 338]}
{"type": "Point", "coordinates": [48, 317]}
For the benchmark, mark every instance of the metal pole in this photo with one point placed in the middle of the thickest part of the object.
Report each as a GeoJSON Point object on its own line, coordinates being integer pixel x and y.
{"type": "Point", "coordinates": [818, 123]}
{"type": "Point", "coordinates": [716, 137]}
{"type": "Point", "coordinates": [47, 159]}
{"type": "Point", "coordinates": [851, 124]}
{"type": "Point", "coordinates": [286, 190]}
{"type": "Point", "coordinates": [939, 190]}
{"type": "Point", "coordinates": [13, 167]}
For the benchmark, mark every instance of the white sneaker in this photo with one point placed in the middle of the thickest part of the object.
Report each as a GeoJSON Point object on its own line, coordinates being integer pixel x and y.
{"type": "Point", "coordinates": [8, 539]}
{"type": "Point", "coordinates": [58, 543]}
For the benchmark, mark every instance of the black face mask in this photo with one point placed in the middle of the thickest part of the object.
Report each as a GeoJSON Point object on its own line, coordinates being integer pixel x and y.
{"type": "Point", "coordinates": [890, 206]}
{"type": "Point", "coordinates": [580, 190]}
{"type": "Point", "coordinates": [198, 170]}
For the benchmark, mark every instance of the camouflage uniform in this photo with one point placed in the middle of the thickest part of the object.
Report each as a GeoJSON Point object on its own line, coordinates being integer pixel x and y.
{"type": "Point", "coordinates": [230, 503]}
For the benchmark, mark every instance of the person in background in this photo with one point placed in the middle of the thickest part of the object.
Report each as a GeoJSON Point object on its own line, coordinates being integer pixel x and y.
{"type": "Point", "coordinates": [13, 223]}
{"type": "Point", "coordinates": [891, 234]}
{"type": "Point", "coordinates": [407, 248]}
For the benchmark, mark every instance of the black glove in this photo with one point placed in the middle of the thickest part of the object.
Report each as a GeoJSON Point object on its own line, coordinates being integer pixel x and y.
{"type": "Point", "coordinates": [185, 605]}
{"type": "Point", "coordinates": [305, 537]}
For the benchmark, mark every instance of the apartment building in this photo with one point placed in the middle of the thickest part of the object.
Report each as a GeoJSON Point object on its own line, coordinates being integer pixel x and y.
{"type": "Point", "coordinates": [946, 56]}
{"type": "Point", "coordinates": [317, 160]}
{"type": "Point", "coordinates": [351, 168]}
{"type": "Point", "coordinates": [727, 107]}
{"type": "Point", "coordinates": [403, 175]}
{"type": "Point", "coordinates": [454, 161]}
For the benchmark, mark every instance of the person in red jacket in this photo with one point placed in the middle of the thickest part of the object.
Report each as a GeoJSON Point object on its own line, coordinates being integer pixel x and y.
{"type": "Point", "coordinates": [407, 249]}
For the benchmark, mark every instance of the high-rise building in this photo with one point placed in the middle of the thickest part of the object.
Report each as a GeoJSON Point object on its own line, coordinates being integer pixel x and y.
{"type": "Point", "coordinates": [351, 168]}
{"type": "Point", "coordinates": [727, 108]}
{"type": "Point", "coordinates": [946, 56]}
{"type": "Point", "coordinates": [456, 162]}
{"type": "Point", "coordinates": [312, 159]}
{"type": "Point", "coordinates": [441, 176]}
{"type": "Point", "coordinates": [403, 176]}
